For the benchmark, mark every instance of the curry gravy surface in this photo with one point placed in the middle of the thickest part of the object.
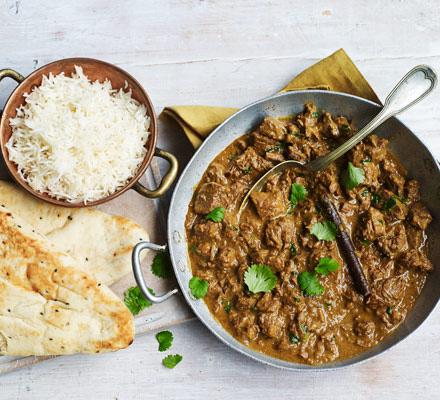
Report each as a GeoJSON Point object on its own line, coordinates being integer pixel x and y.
{"type": "Point", "coordinates": [390, 243]}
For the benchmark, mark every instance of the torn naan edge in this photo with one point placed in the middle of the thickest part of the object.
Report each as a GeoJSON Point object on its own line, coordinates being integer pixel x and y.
{"type": "Point", "coordinates": [101, 243]}
{"type": "Point", "coordinates": [48, 304]}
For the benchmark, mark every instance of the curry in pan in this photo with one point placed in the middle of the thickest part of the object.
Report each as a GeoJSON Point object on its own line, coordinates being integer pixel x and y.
{"type": "Point", "coordinates": [278, 280]}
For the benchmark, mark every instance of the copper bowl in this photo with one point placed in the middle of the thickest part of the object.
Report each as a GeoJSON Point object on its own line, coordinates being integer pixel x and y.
{"type": "Point", "coordinates": [94, 70]}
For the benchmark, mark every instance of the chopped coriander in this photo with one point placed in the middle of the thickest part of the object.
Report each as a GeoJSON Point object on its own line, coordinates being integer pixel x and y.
{"type": "Point", "coordinates": [402, 200]}
{"type": "Point", "coordinates": [324, 231]}
{"type": "Point", "coordinates": [381, 221]}
{"type": "Point", "coordinates": [327, 304]}
{"type": "Point", "coordinates": [303, 147]}
{"type": "Point", "coordinates": [278, 147]}
{"type": "Point", "coordinates": [165, 339]}
{"type": "Point", "coordinates": [390, 203]}
{"type": "Point", "coordinates": [294, 339]}
{"type": "Point", "coordinates": [255, 309]}
{"type": "Point", "coordinates": [308, 282]}
{"type": "Point", "coordinates": [198, 288]}
{"type": "Point", "coordinates": [364, 193]}
{"type": "Point", "coordinates": [366, 242]}
{"type": "Point", "coordinates": [352, 176]}
{"type": "Point", "coordinates": [234, 228]}
{"type": "Point", "coordinates": [376, 198]}
{"type": "Point", "coordinates": [297, 300]}
{"type": "Point", "coordinates": [247, 170]}
{"type": "Point", "coordinates": [367, 160]}
{"type": "Point", "coordinates": [259, 278]}
{"type": "Point", "coordinates": [297, 193]}
{"type": "Point", "coordinates": [346, 128]}
{"type": "Point", "coordinates": [227, 307]}
{"type": "Point", "coordinates": [315, 114]}
{"type": "Point", "coordinates": [135, 301]}
{"type": "Point", "coordinates": [304, 329]}
{"type": "Point", "coordinates": [216, 215]}
{"type": "Point", "coordinates": [326, 265]}
{"type": "Point", "coordinates": [318, 209]}
{"type": "Point", "coordinates": [161, 266]}
{"type": "Point", "coordinates": [172, 360]}
{"type": "Point", "coordinates": [389, 310]}
{"type": "Point", "coordinates": [233, 156]}
{"type": "Point", "coordinates": [293, 249]}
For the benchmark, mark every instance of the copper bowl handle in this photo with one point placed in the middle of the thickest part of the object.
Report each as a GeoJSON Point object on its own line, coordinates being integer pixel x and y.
{"type": "Point", "coordinates": [10, 73]}
{"type": "Point", "coordinates": [167, 180]}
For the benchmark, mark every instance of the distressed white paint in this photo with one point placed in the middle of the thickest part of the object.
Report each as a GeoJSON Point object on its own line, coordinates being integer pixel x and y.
{"type": "Point", "coordinates": [227, 53]}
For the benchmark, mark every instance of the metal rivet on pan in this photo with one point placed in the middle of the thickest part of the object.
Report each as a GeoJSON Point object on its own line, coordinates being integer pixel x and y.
{"type": "Point", "coordinates": [181, 265]}
{"type": "Point", "coordinates": [191, 295]}
{"type": "Point", "coordinates": [177, 237]}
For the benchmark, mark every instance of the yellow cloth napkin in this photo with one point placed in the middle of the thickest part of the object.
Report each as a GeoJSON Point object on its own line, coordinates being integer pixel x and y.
{"type": "Point", "coordinates": [337, 72]}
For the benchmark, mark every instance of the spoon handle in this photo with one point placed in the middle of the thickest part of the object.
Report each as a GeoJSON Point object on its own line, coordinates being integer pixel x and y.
{"type": "Point", "coordinates": [412, 88]}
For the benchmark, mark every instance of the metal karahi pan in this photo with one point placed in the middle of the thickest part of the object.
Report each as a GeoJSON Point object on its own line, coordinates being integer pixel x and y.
{"type": "Point", "coordinates": [410, 150]}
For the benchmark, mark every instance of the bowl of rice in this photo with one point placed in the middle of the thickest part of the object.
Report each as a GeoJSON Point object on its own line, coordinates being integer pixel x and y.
{"type": "Point", "coordinates": [79, 132]}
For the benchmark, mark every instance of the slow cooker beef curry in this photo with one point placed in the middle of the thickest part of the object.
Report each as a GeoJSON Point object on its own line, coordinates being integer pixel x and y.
{"type": "Point", "coordinates": [278, 281]}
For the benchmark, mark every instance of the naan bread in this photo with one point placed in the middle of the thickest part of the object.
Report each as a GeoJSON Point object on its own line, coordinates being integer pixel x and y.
{"type": "Point", "coordinates": [48, 304]}
{"type": "Point", "coordinates": [101, 243]}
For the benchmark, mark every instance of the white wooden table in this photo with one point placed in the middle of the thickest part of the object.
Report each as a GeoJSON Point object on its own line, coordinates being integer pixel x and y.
{"type": "Point", "coordinates": [227, 53]}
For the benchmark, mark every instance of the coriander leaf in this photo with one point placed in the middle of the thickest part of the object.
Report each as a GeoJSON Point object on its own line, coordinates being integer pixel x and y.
{"type": "Point", "coordinates": [297, 299]}
{"type": "Point", "coordinates": [135, 301]}
{"type": "Point", "coordinates": [234, 228]}
{"type": "Point", "coordinates": [227, 307]}
{"type": "Point", "coordinates": [165, 339]}
{"type": "Point", "coordinates": [389, 310]}
{"type": "Point", "coordinates": [346, 128]}
{"type": "Point", "coordinates": [400, 199]}
{"type": "Point", "coordinates": [293, 249]}
{"type": "Point", "coordinates": [278, 147]}
{"type": "Point", "coordinates": [297, 193]}
{"type": "Point", "coordinates": [294, 339]}
{"type": "Point", "coordinates": [315, 114]}
{"type": "Point", "coordinates": [259, 278]}
{"type": "Point", "coordinates": [364, 193]}
{"type": "Point", "coordinates": [352, 176]}
{"type": "Point", "coordinates": [233, 156]}
{"type": "Point", "coordinates": [216, 215]}
{"type": "Point", "coordinates": [381, 221]}
{"type": "Point", "coordinates": [390, 203]}
{"type": "Point", "coordinates": [324, 231]}
{"type": "Point", "coordinates": [326, 265]}
{"type": "Point", "coordinates": [247, 170]}
{"type": "Point", "coordinates": [161, 266]}
{"type": "Point", "coordinates": [366, 242]}
{"type": "Point", "coordinates": [376, 198]}
{"type": "Point", "coordinates": [171, 361]}
{"type": "Point", "coordinates": [304, 329]}
{"type": "Point", "coordinates": [198, 288]}
{"type": "Point", "coordinates": [367, 160]}
{"type": "Point", "coordinates": [308, 282]}
{"type": "Point", "coordinates": [318, 209]}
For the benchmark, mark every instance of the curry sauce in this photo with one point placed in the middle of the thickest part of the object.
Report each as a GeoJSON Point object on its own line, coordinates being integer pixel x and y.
{"type": "Point", "coordinates": [383, 215]}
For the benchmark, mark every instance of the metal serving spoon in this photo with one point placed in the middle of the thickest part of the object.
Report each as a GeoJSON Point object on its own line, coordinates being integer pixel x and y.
{"type": "Point", "coordinates": [412, 88]}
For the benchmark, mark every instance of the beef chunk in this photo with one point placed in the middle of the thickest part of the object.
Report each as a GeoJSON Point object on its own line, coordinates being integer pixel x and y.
{"type": "Point", "coordinates": [204, 228]}
{"type": "Point", "coordinates": [345, 127]}
{"type": "Point", "coordinates": [394, 181]}
{"type": "Point", "coordinates": [364, 328]}
{"type": "Point", "coordinates": [371, 173]}
{"type": "Point", "coordinates": [245, 325]}
{"type": "Point", "coordinates": [308, 121]}
{"type": "Point", "coordinates": [214, 173]}
{"type": "Point", "coordinates": [246, 164]}
{"type": "Point", "coordinates": [412, 190]}
{"type": "Point", "coordinates": [397, 212]}
{"type": "Point", "coordinates": [279, 233]}
{"type": "Point", "coordinates": [211, 195]}
{"type": "Point", "coordinates": [380, 270]}
{"type": "Point", "coordinates": [364, 198]}
{"type": "Point", "coordinates": [394, 242]}
{"type": "Point", "coordinates": [293, 153]}
{"type": "Point", "coordinates": [330, 179]}
{"type": "Point", "coordinates": [268, 303]}
{"type": "Point", "coordinates": [387, 292]}
{"type": "Point", "coordinates": [419, 216]}
{"type": "Point", "coordinates": [374, 225]}
{"type": "Point", "coordinates": [207, 250]}
{"type": "Point", "coordinates": [271, 324]}
{"type": "Point", "coordinates": [245, 303]}
{"type": "Point", "coordinates": [273, 128]}
{"type": "Point", "coordinates": [330, 126]}
{"type": "Point", "coordinates": [277, 260]}
{"type": "Point", "coordinates": [226, 258]}
{"type": "Point", "coordinates": [416, 259]}
{"type": "Point", "coordinates": [372, 149]}
{"type": "Point", "coordinates": [275, 156]}
{"type": "Point", "coordinates": [268, 204]}
{"type": "Point", "coordinates": [262, 143]}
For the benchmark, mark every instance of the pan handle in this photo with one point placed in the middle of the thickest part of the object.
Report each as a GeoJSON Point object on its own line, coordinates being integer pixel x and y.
{"type": "Point", "coordinates": [10, 73]}
{"type": "Point", "coordinates": [137, 270]}
{"type": "Point", "coordinates": [167, 180]}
